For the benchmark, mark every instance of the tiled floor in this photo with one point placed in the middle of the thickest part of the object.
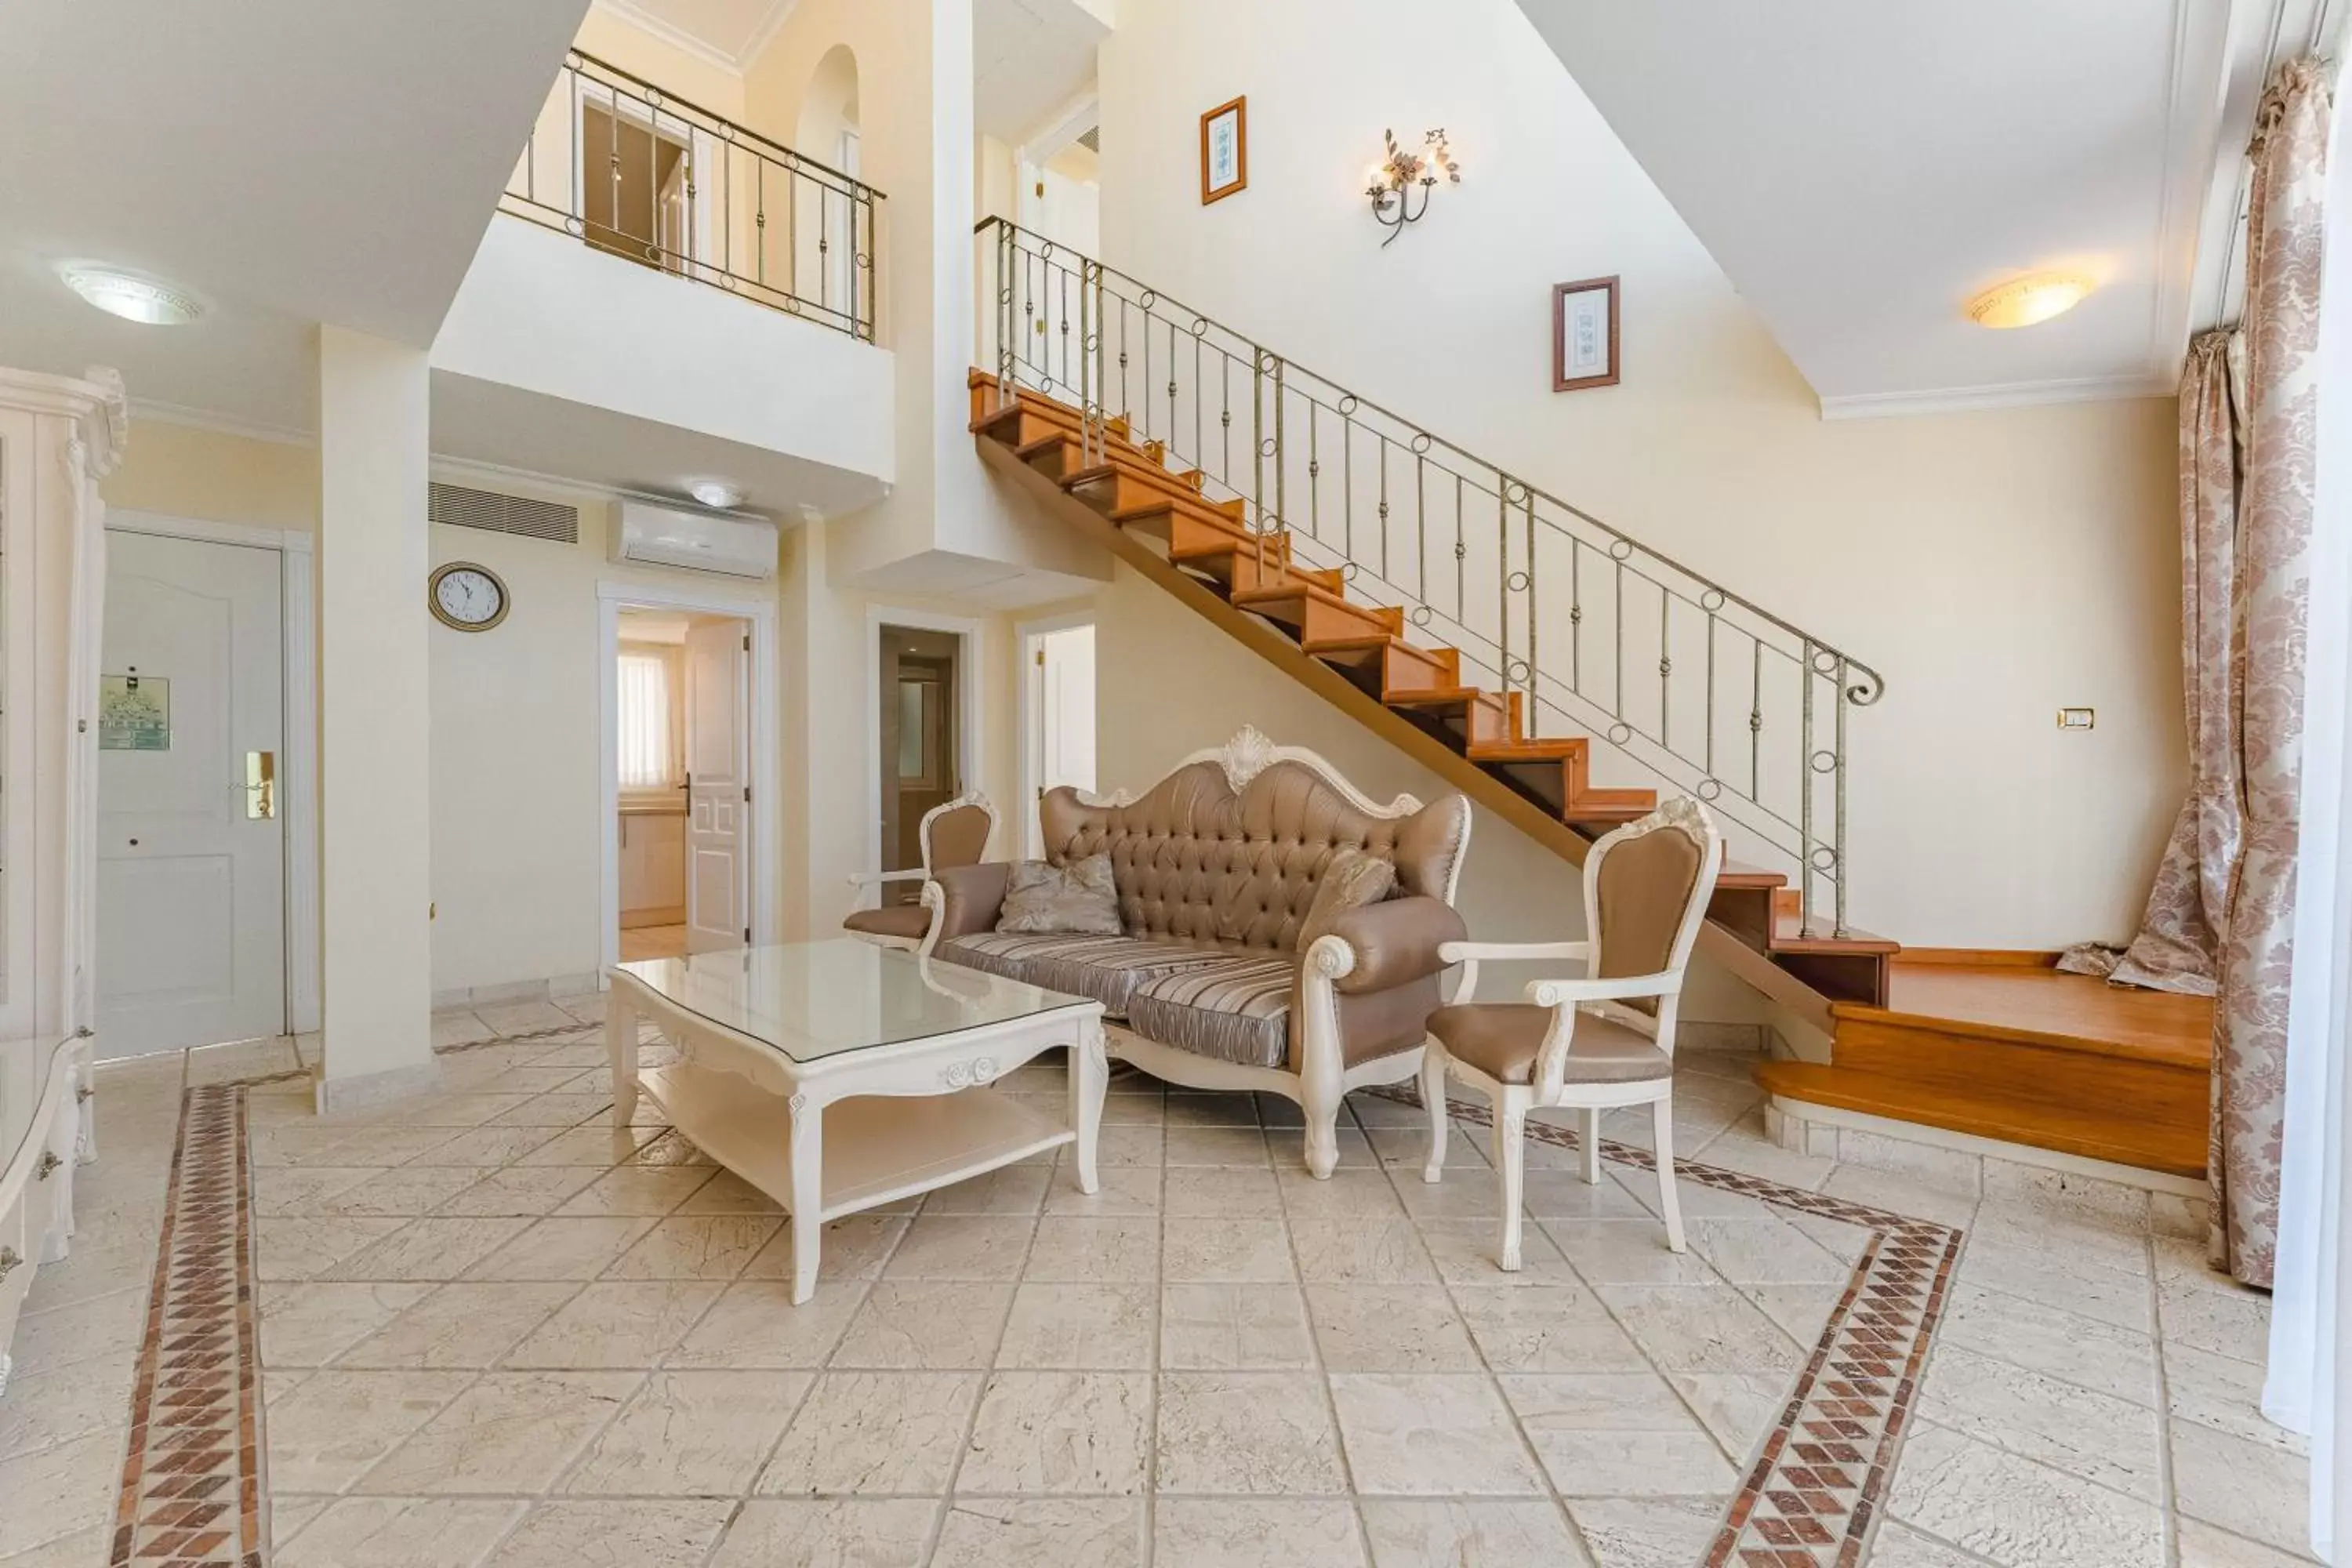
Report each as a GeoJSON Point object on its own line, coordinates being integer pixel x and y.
{"type": "Point", "coordinates": [652, 942]}
{"type": "Point", "coordinates": [495, 1332]}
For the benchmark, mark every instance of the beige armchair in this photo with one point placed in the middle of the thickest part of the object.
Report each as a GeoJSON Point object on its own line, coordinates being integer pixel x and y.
{"type": "Point", "coordinates": [1596, 1043]}
{"type": "Point", "coordinates": [950, 835]}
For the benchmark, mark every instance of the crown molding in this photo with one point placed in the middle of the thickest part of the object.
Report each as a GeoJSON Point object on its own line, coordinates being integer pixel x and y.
{"type": "Point", "coordinates": [734, 64]}
{"type": "Point", "coordinates": [220, 424]}
{"type": "Point", "coordinates": [756, 45]}
{"type": "Point", "coordinates": [2005, 394]}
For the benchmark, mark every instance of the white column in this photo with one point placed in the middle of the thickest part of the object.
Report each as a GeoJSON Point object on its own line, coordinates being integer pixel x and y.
{"type": "Point", "coordinates": [375, 825]}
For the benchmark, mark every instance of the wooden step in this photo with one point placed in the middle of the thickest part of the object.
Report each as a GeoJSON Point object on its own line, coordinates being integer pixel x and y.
{"type": "Point", "coordinates": [1471, 713]}
{"type": "Point", "coordinates": [1314, 613]}
{"type": "Point", "coordinates": [1390, 665]}
{"type": "Point", "coordinates": [2119, 1132]}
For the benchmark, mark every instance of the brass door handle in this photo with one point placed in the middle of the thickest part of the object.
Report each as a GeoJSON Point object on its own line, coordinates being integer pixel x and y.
{"type": "Point", "coordinates": [260, 784]}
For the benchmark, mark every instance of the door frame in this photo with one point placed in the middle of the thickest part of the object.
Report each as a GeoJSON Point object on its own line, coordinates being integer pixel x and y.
{"type": "Point", "coordinates": [763, 821]}
{"type": "Point", "coordinates": [1030, 831]}
{"type": "Point", "coordinates": [967, 630]}
{"type": "Point", "coordinates": [298, 781]}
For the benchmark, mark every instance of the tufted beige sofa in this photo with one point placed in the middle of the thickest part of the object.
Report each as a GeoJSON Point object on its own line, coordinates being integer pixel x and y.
{"type": "Point", "coordinates": [1216, 865]}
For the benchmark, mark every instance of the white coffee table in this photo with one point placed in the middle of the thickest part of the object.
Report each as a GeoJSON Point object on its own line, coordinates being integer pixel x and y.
{"type": "Point", "coordinates": [898, 1049]}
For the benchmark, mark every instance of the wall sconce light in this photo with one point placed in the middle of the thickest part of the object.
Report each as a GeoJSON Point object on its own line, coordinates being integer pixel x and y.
{"type": "Point", "coordinates": [1396, 177]}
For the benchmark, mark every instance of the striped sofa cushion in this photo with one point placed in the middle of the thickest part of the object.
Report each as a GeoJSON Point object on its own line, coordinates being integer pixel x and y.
{"type": "Point", "coordinates": [1234, 1009]}
{"type": "Point", "coordinates": [1110, 969]}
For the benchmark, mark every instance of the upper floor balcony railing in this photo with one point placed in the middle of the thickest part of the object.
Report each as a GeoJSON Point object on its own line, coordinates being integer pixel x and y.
{"type": "Point", "coordinates": [634, 170]}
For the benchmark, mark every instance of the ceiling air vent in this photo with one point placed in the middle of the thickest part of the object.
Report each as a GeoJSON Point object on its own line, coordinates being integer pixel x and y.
{"type": "Point", "coordinates": [1092, 139]}
{"type": "Point", "coordinates": [461, 506]}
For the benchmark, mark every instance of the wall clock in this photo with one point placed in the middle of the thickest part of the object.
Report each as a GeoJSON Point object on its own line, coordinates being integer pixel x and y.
{"type": "Point", "coordinates": [468, 597]}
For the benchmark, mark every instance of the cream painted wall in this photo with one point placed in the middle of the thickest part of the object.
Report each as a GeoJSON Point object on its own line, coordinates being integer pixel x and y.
{"type": "Point", "coordinates": [618, 41]}
{"type": "Point", "coordinates": [1995, 565]}
{"type": "Point", "coordinates": [181, 472]}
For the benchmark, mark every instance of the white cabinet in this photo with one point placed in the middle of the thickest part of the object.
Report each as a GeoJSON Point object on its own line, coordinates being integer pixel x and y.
{"type": "Point", "coordinates": [58, 436]}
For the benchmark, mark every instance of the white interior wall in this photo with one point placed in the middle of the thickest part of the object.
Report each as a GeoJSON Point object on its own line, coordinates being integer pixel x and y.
{"type": "Point", "coordinates": [1994, 565]}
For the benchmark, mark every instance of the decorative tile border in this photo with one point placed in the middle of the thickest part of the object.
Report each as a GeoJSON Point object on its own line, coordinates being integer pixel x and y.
{"type": "Point", "coordinates": [1822, 1476]}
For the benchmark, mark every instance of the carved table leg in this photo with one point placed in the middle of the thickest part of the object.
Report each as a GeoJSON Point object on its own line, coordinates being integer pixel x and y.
{"type": "Point", "coordinates": [1089, 1076]}
{"type": "Point", "coordinates": [621, 1042]}
{"type": "Point", "coordinates": [807, 1202]}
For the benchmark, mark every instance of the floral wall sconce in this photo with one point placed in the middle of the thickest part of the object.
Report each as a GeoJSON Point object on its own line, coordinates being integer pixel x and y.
{"type": "Point", "coordinates": [1396, 177]}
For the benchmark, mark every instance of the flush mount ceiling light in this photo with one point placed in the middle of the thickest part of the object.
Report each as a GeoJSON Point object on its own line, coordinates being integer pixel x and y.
{"type": "Point", "coordinates": [2035, 298]}
{"type": "Point", "coordinates": [130, 296]}
{"type": "Point", "coordinates": [716, 494]}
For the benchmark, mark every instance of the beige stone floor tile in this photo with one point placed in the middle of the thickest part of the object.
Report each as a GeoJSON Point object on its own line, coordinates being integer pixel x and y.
{"type": "Point", "coordinates": [1257, 1532]}
{"type": "Point", "coordinates": [691, 1433]}
{"type": "Point", "coordinates": [1900, 1195]}
{"type": "Point", "coordinates": [1008, 1189]}
{"type": "Point", "coordinates": [1626, 1252]}
{"type": "Point", "coordinates": [1060, 1432]}
{"type": "Point", "coordinates": [487, 1147]}
{"type": "Point", "coordinates": [1466, 1253]}
{"type": "Point", "coordinates": [643, 1533]}
{"type": "Point", "coordinates": [1616, 1434]}
{"type": "Point", "coordinates": [89, 1548]}
{"type": "Point", "coordinates": [1079, 1326]}
{"type": "Point", "coordinates": [2252, 1489]}
{"type": "Point", "coordinates": [704, 1247]}
{"type": "Point", "coordinates": [1193, 1107]}
{"type": "Point", "coordinates": [1195, 1145]}
{"type": "Point", "coordinates": [1430, 1435]}
{"type": "Point", "coordinates": [1205, 1248]}
{"type": "Point", "coordinates": [530, 1192]}
{"type": "Point", "coordinates": [1024, 1532]}
{"type": "Point", "coordinates": [56, 1334]}
{"type": "Point", "coordinates": [2094, 1435]}
{"type": "Point", "coordinates": [1115, 1250]}
{"type": "Point", "coordinates": [459, 1027]}
{"type": "Point", "coordinates": [404, 1190]}
{"type": "Point", "coordinates": [1122, 1192]}
{"type": "Point", "coordinates": [458, 1326]}
{"type": "Point", "coordinates": [60, 1490]}
{"type": "Point", "coordinates": [563, 1109]}
{"type": "Point", "coordinates": [2217, 1322]}
{"type": "Point", "coordinates": [2018, 1265]}
{"type": "Point", "coordinates": [1545, 1328]}
{"type": "Point", "coordinates": [599, 1144]}
{"type": "Point", "coordinates": [561, 1248]}
{"type": "Point", "coordinates": [1700, 1328]}
{"type": "Point", "coordinates": [326, 1433]}
{"type": "Point", "coordinates": [460, 1109]}
{"type": "Point", "coordinates": [1361, 1252]}
{"type": "Point", "coordinates": [672, 1148]}
{"type": "Point", "coordinates": [1737, 1407]}
{"type": "Point", "coordinates": [402, 1532]}
{"type": "Point", "coordinates": [1388, 1328]}
{"type": "Point", "coordinates": [434, 1248]}
{"type": "Point", "coordinates": [289, 1513]}
{"type": "Point", "coordinates": [1239, 1433]}
{"type": "Point", "coordinates": [1800, 1311]}
{"type": "Point", "coordinates": [1739, 1148]}
{"type": "Point", "coordinates": [646, 1190]}
{"type": "Point", "coordinates": [962, 1247]}
{"type": "Point", "coordinates": [2012, 1509]}
{"type": "Point", "coordinates": [2202, 1546]}
{"type": "Point", "coordinates": [524, 1017]}
{"type": "Point", "coordinates": [2052, 1340]}
{"type": "Point", "coordinates": [44, 1409]}
{"type": "Point", "coordinates": [1344, 1195]}
{"type": "Point", "coordinates": [854, 1247]}
{"type": "Point", "coordinates": [727, 1193]}
{"type": "Point", "coordinates": [1222, 1192]}
{"type": "Point", "coordinates": [2065, 1196]}
{"type": "Point", "coordinates": [2224, 1393]}
{"type": "Point", "coordinates": [834, 1533]}
{"type": "Point", "coordinates": [614, 1323]}
{"type": "Point", "coordinates": [1646, 1533]}
{"type": "Point", "coordinates": [310, 1325]}
{"type": "Point", "coordinates": [1234, 1328]}
{"type": "Point", "coordinates": [873, 1432]}
{"type": "Point", "coordinates": [755, 1324]}
{"type": "Point", "coordinates": [1129, 1144]}
{"type": "Point", "coordinates": [301, 1189]}
{"type": "Point", "coordinates": [1766, 1251]}
{"type": "Point", "coordinates": [926, 1323]}
{"type": "Point", "coordinates": [1484, 1532]}
{"type": "Point", "coordinates": [1898, 1545]}
{"type": "Point", "coordinates": [511, 1432]}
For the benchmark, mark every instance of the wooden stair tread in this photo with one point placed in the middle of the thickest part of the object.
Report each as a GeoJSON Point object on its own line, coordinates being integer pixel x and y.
{"type": "Point", "coordinates": [1735, 875]}
{"type": "Point", "coordinates": [1819, 935]}
{"type": "Point", "coordinates": [1295, 587]}
{"type": "Point", "coordinates": [1441, 697]}
{"type": "Point", "coordinates": [1987, 1113]}
{"type": "Point", "coordinates": [1552, 751]}
{"type": "Point", "coordinates": [2035, 1005]}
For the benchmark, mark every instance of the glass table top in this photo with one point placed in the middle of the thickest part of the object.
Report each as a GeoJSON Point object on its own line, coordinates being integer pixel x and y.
{"type": "Point", "coordinates": [816, 999]}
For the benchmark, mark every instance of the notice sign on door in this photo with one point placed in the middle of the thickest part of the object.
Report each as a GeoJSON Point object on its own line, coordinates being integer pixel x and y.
{"type": "Point", "coordinates": [134, 713]}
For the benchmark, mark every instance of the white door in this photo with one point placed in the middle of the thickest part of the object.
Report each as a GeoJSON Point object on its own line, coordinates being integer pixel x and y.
{"type": "Point", "coordinates": [1062, 716]}
{"type": "Point", "coordinates": [190, 859]}
{"type": "Point", "coordinates": [719, 780]}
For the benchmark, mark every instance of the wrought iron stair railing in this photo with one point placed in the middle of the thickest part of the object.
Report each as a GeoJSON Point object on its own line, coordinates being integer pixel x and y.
{"type": "Point", "coordinates": [1597, 633]}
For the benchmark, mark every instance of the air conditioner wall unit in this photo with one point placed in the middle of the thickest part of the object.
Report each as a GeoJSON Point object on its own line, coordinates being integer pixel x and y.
{"type": "Point", "coordinates": [731, 543]}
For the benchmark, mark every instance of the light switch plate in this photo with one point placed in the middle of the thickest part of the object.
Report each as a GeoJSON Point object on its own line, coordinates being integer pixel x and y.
{"type": "Point", "coordinates": [2076, 719]}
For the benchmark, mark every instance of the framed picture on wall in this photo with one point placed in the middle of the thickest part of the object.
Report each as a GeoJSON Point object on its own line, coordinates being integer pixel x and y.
{"type": "Point", "coordinates": [1224, 151]}
{"type": "Point", "coordinates": [1584, 334]}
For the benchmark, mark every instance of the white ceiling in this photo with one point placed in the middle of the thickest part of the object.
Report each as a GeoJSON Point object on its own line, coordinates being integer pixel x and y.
{"type": "Point", "coordinates": [289, 161]}
{"type": "Point", "coordinates": [1030, 59]}
{"type": "Point", "coordinates": [728, 33]}
{"type": "Point", "coordinates": [1861, 169]}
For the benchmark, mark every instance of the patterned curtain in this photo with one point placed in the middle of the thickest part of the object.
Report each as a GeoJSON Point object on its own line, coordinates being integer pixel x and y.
{"type": "Point", "coordinates": [2188, 907]}
{"type": "Point", "coordinates": [2283, 233]}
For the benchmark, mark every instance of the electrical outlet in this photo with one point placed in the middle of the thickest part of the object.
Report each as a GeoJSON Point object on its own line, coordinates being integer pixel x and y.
{"type": "Point", "coordinates": [2076, 719]}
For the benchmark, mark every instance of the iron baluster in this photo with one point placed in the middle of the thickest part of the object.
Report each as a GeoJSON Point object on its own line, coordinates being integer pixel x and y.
{"type": "Point", "coordinates": [1535, 703]}
{"type": "Point", "coordinates": [1459, 549]}
{"type": "Point", "coordinates": [1805, 782]}
{"type": "Point", "coordinates": [1837, 825]}
{"type": "Point", "coordinates": [1755, 717]}
{"type": "Point", "coordinates": [1665, 669]}
{"type": "Point", "coordinates": [1503, 583]}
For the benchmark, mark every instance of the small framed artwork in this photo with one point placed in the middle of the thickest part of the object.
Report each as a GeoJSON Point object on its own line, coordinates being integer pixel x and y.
{"type": "Point", "coordinates": [1224, 151]}
{"type": "Point", "coordinates": [1584, 334]}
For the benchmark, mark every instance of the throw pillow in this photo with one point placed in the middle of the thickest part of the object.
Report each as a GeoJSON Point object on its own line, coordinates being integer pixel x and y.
{"type": "Point", "coordinates": [1352, 880]}
{"type": "Point", "coordinates": [1078, 899]}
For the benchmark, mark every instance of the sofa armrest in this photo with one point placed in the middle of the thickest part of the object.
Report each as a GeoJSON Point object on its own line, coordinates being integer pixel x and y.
{"type": "Point", "coordinates": [1396, 941]}
{"type": "Point", "coordinates": [970, 898]}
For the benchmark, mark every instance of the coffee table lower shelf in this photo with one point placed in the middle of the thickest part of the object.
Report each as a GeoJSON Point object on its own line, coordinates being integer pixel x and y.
{"type": "Point", "coordinates": [878, 1148]}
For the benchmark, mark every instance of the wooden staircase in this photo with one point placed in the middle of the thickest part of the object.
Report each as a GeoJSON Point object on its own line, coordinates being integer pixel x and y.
{"type": "Point", "coordinates": [1158, 521]}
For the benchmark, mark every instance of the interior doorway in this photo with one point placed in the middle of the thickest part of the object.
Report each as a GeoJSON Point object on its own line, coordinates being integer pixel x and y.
{"type": "Point", "coordinates": [681, 782]}
{"type": "Point", "coordinates": [1057, 716]}
{"type": "Point", "coordinates": [921, 719]}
